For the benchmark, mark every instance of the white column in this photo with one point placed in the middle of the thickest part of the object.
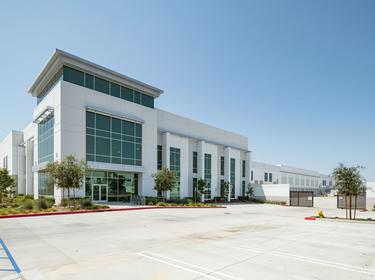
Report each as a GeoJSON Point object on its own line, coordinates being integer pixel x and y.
{"type": "Point", "coordinates": [29, 164]}
{"type": "Point", "coordinates": [21, 180]}
{"type": "Point", "coordinates": [166, 149]}
{"type": "Point", "coordinates": [201, 151]}
{"type": "Point", "coordinates": [248, 167]}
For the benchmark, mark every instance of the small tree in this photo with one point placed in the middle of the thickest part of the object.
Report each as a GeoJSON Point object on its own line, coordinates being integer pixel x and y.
{"type": "Point", "coordinates": [201, 188]}
{"type": "Point", "coordinates": [249, 191]}
{"type": "Point", "coordinates": [164, 180]}
{"type": "Point", "coordinates": [67, 174]}
{"type": "Point", "coordinates": [227, 185]}
{"type": "Point", "coordinates": [349, 183]}
{"type": "Point", "coordinates": [7, 183]}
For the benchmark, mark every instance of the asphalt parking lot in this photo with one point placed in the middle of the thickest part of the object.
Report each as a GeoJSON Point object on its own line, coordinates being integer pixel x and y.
{"type": "Point", "coordinates": [239, 242]}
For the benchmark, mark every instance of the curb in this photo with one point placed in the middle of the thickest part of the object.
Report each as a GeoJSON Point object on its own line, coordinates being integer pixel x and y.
{"type": "Point", "coordinates": [102, 210]}
{"type": "Point", "coordinates": [310, 218]}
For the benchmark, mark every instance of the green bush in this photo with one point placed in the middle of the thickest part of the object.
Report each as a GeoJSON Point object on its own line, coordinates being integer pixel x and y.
{"type": "Point", "coordinates": [64, 202]}
{"type": "Point", "coordinates": [85, 203]}
{"type": "Point", "coordinates": [28, 204]}
{"type": "Point", "coordinates": [41, 204]}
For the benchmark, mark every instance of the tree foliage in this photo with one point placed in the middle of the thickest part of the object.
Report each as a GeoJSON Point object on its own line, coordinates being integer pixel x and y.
{"type": "Point", "coordinates": [201, 184]}
{"type": "Point", "coordinates": [164, 180]}
{"type": "Point", "coordinates": [67, 174]}
{"type": "Point", "coordinates": [7, 183]}
{"type": "Point", "coordinates": [349, 183]}
{"type": "Point", "coordinates": [250, 190]}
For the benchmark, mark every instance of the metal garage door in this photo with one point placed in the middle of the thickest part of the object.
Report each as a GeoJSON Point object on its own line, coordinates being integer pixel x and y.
{"type": "Point", "coordinates": [301, 198]}
{"type": "Point", "coordinates": [361, 201]}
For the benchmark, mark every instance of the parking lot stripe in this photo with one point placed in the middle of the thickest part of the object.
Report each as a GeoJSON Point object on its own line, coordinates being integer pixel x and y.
{"type": "Point", "coordinates": [158, 259]}
{"type": "Point", "coordinates": [193, 265]}
{"type": "Point", "coordinates": [10, 257]}
{"type": "Point", "coordinates": [308, 259]}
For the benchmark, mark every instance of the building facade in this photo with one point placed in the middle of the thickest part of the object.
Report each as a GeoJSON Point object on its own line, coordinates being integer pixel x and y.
{"type": "Point", "coordinates": [110, 120]}
{"type": "Point", "coordinates": [296, 178]}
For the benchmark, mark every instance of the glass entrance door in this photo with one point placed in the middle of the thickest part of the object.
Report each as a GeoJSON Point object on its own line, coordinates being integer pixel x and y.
{"type": "Point", "coordinates": [100, 193]}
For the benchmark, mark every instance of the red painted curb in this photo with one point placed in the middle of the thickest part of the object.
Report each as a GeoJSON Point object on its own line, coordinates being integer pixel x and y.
{"type": "Point", "coordinates": [310, 218]}
{"type": "Point", "coordinates": [101, 210]}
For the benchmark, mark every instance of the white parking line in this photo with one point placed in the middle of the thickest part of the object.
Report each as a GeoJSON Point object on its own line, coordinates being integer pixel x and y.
{"type": "Point", "coordinates": [308, 259]}
{"type": "Point", "coordinates": [202, 271]}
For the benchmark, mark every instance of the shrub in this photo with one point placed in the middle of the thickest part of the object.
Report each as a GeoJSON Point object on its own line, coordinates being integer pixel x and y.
{"type": "Point", "coordinates": [320, 214]}
{"type": "Point", "coordinates": [85, 203]}
{"type": "Point", "coordinates": [64, 202]}
{"type": "Point", "coordinates": [41, 204]}
{"type": "Point", "coordinates": [28, 204]}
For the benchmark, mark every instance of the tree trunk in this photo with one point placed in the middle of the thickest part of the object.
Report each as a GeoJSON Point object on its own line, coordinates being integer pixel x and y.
{"type": "Point", "coordinates": [346, 206]}
{"type": "Point", "coordinates": [355, 206]}
{"type": "Point", "coordinates": [68, 197]}
{"type": "Point", "coordinates": [350, 207]}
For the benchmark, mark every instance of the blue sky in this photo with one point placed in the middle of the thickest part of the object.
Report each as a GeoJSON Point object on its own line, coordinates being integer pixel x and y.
{"type": "Point", "coordinates": [296, 77]}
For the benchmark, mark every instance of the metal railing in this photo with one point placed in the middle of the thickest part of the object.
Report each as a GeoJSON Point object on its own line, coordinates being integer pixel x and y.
{"type": "Point", "coordinates": [137, 200]}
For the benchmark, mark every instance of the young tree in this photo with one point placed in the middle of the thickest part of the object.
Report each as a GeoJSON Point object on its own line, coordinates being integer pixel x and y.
{"type": "Point", "coordinates": [67, 174]}
{"type": "Point", "coordinates": [201, 188]}
{"type": "Point", "coordinates": [249, 191]}
{"type": "Point", "coordinates": [349, 183]}
{"type": "Point", "coordinates": [6, 183]}
{"type": "Point", "coordinates": [164, 180]}
{"type": "Point", "coordinates": [227, 188]}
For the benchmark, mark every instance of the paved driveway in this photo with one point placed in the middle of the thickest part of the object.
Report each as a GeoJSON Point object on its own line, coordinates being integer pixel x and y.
{"type": "Point", "coordinates": [240, 242]}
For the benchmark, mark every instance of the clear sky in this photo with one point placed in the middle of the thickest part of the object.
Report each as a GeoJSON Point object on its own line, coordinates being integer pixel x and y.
{"type": "Point", "coordinates": [296, 77]}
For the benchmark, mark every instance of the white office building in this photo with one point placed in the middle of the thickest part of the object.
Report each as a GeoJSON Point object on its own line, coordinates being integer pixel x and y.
{"type": "Point", "coordinates": [109, 120]}
{"type": "Point", "coordinates": [297, 178]}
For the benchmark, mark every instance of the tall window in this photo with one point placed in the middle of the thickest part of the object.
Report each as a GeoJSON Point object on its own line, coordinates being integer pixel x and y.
{"type": "Point", "coordinates": [43, 189]}
{"type": "Point", "coordinates": [175, 165]}
{"type": "Point", "coordinates": [243, 188]}
{"type": "Point", "coordinates": [113, 140]}
{"type": "Point", "coordinates": [233, 176]}
{"type": "Point", "coordinates": [222, 166]}
{"type": "Point", "coordinates": [207, 174]}
{"type": "Point", "coordinates": [270, 177]}
{"type": "Point", "coordinates": [45, 140]}
{"type": "Point", "coordinates": [195, 162]}
{"type": "Point", "coordinates": [243, 168]}
{"type": "Point", "coordinates": [265, 177]}
{"type": "Point", "coordinates": [195, 188]}
{"type": "Point", "coordinates": [252, 175]}
{"type": "Point", "coordinates": [160, 157]}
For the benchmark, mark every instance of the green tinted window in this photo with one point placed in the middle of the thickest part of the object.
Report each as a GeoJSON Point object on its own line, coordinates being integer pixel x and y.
{"type": "Point", "coordinates": [127, 94]}
{"type": "Point", "coordinates": [102, 146]}
{"type": "Point", "coordinates": [116, 125]}
{"type": "Point", "coordinates": [138, 130]}
{"type": "Point", "coordinates": [90, 144]}
{"type": "Point", "coordinates": [101, 85]}
{"type": "Point", "coordinates": [137, 97]}
{"type": "Point", "coordinates": [90, 119]}
{"type": "Point", "coordinates": [89, 81]}
{"type": "Point", "coordinates": [74, 76]}
{"type": "Point", "coordinates": [147, 101]}
{"type": "Point", "coordinates": [128, 149]}
{"type": "Point", "coordinates": [128, 128]}
{"type": "Point", "coordinates": [115, 90]}
{"type": "Point", "coordinates": [116, 148]}
{"type": "Point", "coordinates": [103, 122]}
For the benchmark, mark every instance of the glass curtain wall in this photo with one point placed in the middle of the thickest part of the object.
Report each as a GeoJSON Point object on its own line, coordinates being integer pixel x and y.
{"type": "Point", "coordinates": [121, 185]}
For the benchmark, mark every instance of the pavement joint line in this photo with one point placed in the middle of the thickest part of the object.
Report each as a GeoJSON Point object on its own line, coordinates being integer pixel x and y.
{"type": "Point", "coordinates": [310, 260]}
{"type": "Point", "coordinates": [207, 275]}
{"type": "Point", "coordinates": [210, 271]}
{"type": "Point", "coordinates": [10, 257]}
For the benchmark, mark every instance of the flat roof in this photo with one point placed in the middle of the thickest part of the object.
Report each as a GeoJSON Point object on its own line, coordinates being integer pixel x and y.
{"type": "Point", "coordinates": [60, 58]}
